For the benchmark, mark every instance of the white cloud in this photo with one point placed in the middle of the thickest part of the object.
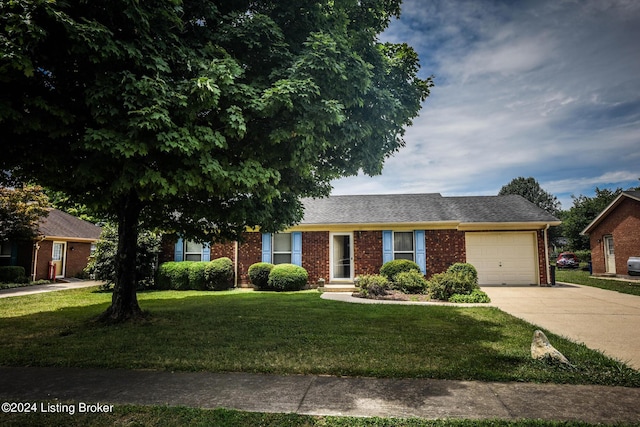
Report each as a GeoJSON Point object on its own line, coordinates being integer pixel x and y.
{"type": "Point", "coordinates": [546, 89]}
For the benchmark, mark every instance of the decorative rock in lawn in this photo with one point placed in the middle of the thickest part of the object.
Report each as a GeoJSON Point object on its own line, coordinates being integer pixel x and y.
{"type": "Point", "coordinates": [541, 349]}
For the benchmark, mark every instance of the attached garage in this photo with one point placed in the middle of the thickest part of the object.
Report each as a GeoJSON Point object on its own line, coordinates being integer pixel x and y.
{"type": "Point", "coordinates": [503, 257]}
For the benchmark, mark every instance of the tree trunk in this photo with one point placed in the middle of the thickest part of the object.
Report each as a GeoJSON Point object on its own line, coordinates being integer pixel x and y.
{"type": "Point", "coordinates": [124, 302]}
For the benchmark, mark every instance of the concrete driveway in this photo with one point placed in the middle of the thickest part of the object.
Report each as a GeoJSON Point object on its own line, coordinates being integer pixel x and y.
{"type": "Point", "coordinates": [603, 320]}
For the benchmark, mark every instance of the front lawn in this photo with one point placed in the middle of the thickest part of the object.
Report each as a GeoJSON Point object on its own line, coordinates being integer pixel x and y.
{"type": "Point", "coordinates": [580, 277]}
{"type": "Point", "coordinates": [288, 333]}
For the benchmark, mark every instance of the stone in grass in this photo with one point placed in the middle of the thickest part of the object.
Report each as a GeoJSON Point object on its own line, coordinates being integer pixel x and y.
{"type": "Point", "coordinates": [541, 349]}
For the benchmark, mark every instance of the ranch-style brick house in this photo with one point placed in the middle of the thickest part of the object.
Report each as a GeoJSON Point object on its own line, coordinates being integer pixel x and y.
{"type": "Point", "coordinates": [614, 235]}
{"type": "Point", "coordinates": [64, 241]}
{"type": "Point", "coordinates": [343, 237]}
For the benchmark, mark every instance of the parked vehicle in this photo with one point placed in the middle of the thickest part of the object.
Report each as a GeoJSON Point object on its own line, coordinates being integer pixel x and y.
{"type": "Point", "coordinates": [567, 260]}
{"type": "Point", "coordinates": [633, 266]}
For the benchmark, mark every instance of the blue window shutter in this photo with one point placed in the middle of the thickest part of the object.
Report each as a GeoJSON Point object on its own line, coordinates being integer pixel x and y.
{"type": "Point", "coordinates": [206, 252]}
{"type": "Point", "coordinates": [421, 252]}
{"type": "Point", "coordinates": [387, 246]}
{"type": "Point", "coordinates": [296, 252]}
{"type": "Point", "coordinates": [178, 252]}
{"type": "Point", "coordinates": [266, 247]}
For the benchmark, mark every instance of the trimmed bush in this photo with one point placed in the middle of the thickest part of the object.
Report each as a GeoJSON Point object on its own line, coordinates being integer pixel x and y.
{"type": "Point", "coordinates": [196, 273]}
{"type": "Point", "coordinates": [219, 274]}
{"type": "Point", "coordinates": [173, 275]}
{"type": "Point", "coordinates": [390, 268]}
{"type": "Point", "coordinates": [259, 274]}
{"type": "Point", "coordinates": [476, 296]}
{"type": "Point", "coordinates": [410, 282]}
{"type": "Point", "coordinates": [287, 277]}
{"type": "Point", "coordinates": [373, 284]}
{"type": "Point", "coordinates": [443, 285]}
{"type": "Point", "coordinates": [466, 269]}
{"type": "Point", "coordinates": [13, 274]}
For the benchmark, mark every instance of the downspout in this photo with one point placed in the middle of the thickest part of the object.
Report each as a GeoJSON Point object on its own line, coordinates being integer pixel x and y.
{"type": "Point", "coordinates": [546, 252]}
{"type": "Point", "coordinates": [235, 264]}
{"type": "Point", "coordinates": [34, 258]}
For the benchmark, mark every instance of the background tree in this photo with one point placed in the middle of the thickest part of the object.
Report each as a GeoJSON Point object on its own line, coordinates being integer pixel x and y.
{"type": "Point", "coordinates": [21, 209]}
{"type": "Point", "coordinates": [531, 190]}
{"type": "Point", "coordinates": [200, 117]}
{"type": "Point", "coordinates": [584, 210]}
{"type": "Point", "coordinates": [103, 267]}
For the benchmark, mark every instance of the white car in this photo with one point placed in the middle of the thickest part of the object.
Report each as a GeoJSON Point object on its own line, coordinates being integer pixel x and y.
{"type": "Point", "coordinates": [633, 266]}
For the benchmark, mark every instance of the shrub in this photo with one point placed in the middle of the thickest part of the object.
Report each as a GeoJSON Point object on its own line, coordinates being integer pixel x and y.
{"type": "Point", "coordinates": [259, 274]}
{"type": "Point", "coordinates": [443, 285]}
{"type": "Point", "coordinates": [465, 268]}
{"type": "Point", "coordinates": [583, 255]}
{"type": "Point", "coordinates": [173, 275]}
{"type": "Point", "coordinates": [287, 277]}
{"type": "Point", "coordinates": [391, 268]}
{"type": "Point", "coordinates": [13, 274]}
{"type": "Point", "coordinates": [410, 282]}
{"type": "Point", "coordinates": [219, 274]}
{"type": "Point", "coordinates": [373, 284]}
{"type": "Point", "coordinates": [476, 296]}
{"type": "Point", "coordinates": [196, 274]}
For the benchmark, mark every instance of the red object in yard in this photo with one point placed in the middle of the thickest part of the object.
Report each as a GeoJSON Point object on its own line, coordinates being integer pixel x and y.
{"type": "Point", "coordinates": [52, 271]}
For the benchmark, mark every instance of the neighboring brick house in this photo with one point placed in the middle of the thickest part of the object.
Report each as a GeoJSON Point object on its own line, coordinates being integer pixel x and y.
{"type": "Point", "coordinates": [614, 235]}
{"type": "Point", "coordinates": [64, 241]}
{"type": "Point", "coordinates": [342, 237]}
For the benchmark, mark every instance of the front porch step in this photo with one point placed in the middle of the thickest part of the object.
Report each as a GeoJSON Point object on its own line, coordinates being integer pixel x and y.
{"type": "Point", "coordinates": [338, 287]}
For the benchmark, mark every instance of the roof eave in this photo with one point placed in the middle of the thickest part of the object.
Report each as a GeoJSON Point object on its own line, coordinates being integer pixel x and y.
{"type": "Point", "coordinates": [506, 226]}
{"type": "Point", "coordinates": [605, 212]}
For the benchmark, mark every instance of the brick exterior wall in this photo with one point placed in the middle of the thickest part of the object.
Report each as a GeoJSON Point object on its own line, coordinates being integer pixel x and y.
{"type": "Point", "coordinates": [623, 223]}
{"type": "Point", "coordinates": [444, 247]}
{"type": "Point", "coordinates": [315, 255]}
{"type": "Point", "coordinates": [76, 259]}
{"type": "Point", "coordinates": [542, 265]}
{"type": "Point", "coordinates": [249, 252]}
{"type": "Point", "coordinates": [367, 252]}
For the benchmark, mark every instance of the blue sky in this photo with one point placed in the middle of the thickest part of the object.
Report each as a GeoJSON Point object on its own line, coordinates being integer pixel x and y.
{"type": "Point", "coordinates": [544, 88]}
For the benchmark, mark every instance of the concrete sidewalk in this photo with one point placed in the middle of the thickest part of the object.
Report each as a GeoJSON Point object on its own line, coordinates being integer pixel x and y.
{"type": "Point", "coordinates": [325, 395]}
{"type": "Point", "coordinates": [38, 289]}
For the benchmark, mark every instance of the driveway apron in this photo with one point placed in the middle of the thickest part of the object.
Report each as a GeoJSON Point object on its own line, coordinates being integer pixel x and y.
{"type": "Point", "coordinates": [603, 320]}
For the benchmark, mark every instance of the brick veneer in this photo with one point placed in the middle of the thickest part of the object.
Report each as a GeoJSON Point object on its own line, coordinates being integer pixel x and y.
{"type": "Point", "coordinates": [542, 264]}
{"type": "Point", "coordinates": [367, 252]}
{"type": "Point", "coordinates": [315, 255]}
{"type": "Point", "coordinates": [249, 252]}
{"type": "Point", "coordinates": [444, 247]}
{"type": "Point", "coordinates": [623, 223]}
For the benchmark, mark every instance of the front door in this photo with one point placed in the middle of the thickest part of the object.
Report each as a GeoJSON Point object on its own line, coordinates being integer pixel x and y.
{"type": "Point", "coordinates": [341, 254]}
{"type": "Point", "coordinates": [57, 257]}
{"type": "Point", "coordinates": [609, 255]}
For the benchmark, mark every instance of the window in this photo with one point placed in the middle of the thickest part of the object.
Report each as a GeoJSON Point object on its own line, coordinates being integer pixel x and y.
{"type": "Point", "coordinates": [192, 251]}
{"type": "Point", "coordinates": [282, 248]}
{"type": "Point", "coordinates": [403, 245]}
{"type": "Point", "coordinates": [5, 249]}
{"type": "Point", "coordinates": [93, 250]}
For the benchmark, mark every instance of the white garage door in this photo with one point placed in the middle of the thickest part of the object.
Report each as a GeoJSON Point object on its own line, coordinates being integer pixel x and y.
{"type": "Point", "coordinates": [504, 257]}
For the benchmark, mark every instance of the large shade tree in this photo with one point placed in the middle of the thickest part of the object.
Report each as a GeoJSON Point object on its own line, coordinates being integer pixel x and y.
{"type": "Point", "coordinates": [202, 117]}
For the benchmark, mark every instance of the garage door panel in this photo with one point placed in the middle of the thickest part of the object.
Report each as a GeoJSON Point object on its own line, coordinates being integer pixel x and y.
{"type": "Point", "coordinates": [503, 257]}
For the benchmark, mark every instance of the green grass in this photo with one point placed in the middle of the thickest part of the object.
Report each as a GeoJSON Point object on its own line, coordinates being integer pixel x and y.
{"type": "Point", "coordinates": [181, 416]}
{"type": "Point", "coordinates": [584, 278]}
{"type": "Point", "coordinates": [289, 333]}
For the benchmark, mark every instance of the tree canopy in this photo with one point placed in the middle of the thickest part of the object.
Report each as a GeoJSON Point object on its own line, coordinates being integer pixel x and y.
{"type": "Point", "coordinates": [531, 190]}
{"type": "Point", "coordinates": [584, 210]}
{"type": "Point", "coordinates": [20, 212]}
{"type": "Point", "coordinates": [201, 117]}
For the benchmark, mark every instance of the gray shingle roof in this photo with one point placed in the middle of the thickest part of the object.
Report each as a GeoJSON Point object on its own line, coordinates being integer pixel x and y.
{"type": "Point", "coordinates": [421, 208]}
{"type": "Point", "coordinates": [61, 224]}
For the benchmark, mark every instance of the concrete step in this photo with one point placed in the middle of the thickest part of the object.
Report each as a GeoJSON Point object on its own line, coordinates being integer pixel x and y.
{"type": "Point", "coordinates": [338, 287]}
